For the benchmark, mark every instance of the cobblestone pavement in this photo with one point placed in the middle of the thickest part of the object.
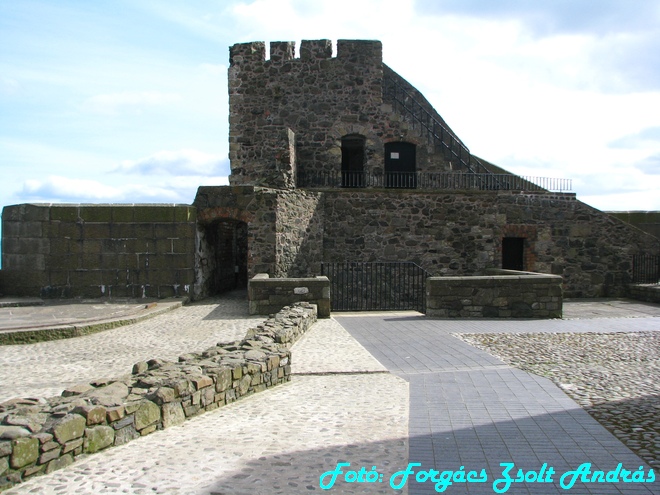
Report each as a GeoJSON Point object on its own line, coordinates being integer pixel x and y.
{"type": "Point", "coordinates": [276, 442]}
{"type": "Point", "coordinates": [47, 368]}
{"type": "Point", "coordinates": [459, 405]}
{"type": "Point", "coordinates": [615, 377]}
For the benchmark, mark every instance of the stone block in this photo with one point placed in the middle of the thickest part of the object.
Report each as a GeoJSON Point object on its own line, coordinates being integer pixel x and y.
{"type": "Point", "coordinates": [153, 214]}
{"type": "Point", "coordinates": [64, 213]}
{"type": "Point", "coordinates": [62, 462]}
{"type": "Point", "coordinates": [96, 213]}
{"type": "Point", "coordinates": [125, 435]}
{"type": "Point", "coordinates": [25, 451]}
{"type": "Point", "coordinates": [5, 447]}
{"type": "Point", "coordinates": [98, 438]}
{"type": "Point", "coordinates": [8, 432]}
{"type": "Point", "coordinates": [32, 470]}
{"type": "Point", "coordinates": [72, 446]}
{"type": "Point", "coordinates": [173, 414]}
{"type": "Point", "coordinates": [50, 455]}
{"type": "Point", "coordinates": [223, 380]}
{"type": "Point", "coordinates": [4, 465]}
{"type": "Point", "coordinates": [70, 427]}
{"type": "Point", "coordinates": [146, 415]}
{"type": "Point", "coordinates": [94, 414]}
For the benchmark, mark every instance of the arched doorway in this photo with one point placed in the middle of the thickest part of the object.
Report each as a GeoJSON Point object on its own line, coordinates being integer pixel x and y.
{"type": "Point", "coordinates": [224, 245]}
{"type": "Point", "coordinates": [400, 165]}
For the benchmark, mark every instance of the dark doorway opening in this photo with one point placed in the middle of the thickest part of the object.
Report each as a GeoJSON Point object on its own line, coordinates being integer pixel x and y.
{"type": "Point", "coordinates": [513, 253]}
{"type": "Point", "coordinates": [352, 160]}
{"type": "Point", "coordinates": [228, 249]}
{"type": "Point", "coordinates": [400, 165]}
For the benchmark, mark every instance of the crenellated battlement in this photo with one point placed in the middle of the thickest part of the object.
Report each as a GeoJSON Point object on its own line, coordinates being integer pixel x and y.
{"type": "Point", "coordinates": [310, 50]}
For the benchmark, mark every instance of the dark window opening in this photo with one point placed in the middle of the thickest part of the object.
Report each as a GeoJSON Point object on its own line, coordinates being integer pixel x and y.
{"type": "Point", "coordinates": [513, 253]}
{"type": "Point", "coordinates": [352, 160]}
{"type": "Point", "coordinates": [400, 165]}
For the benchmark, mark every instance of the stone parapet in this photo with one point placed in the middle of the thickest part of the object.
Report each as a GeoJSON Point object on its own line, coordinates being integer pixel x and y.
{"type": "Point", "coordinates": [42, 435]}
{"type": "Point", "coordinates": [500, 294]}
{"type": "Point", "coordinates": [645, 292]}
{"type": "Point", "coordinates": [53, 250]}
{"type": "Point", "coordinates": [267, 295]}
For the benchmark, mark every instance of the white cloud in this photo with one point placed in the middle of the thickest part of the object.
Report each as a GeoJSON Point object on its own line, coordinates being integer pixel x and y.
{"type": "Point", "coordinates": [114, 103]}
{"type": "Point", "coordinates": [179, 163]}
{"type": "Point", "coordinates": [57, 188]}
{"type": "Point", "coordinates": [9, 86]}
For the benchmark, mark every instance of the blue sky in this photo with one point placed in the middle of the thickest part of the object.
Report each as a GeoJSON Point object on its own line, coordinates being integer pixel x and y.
{"type": "Point", "coordinates": [126, 101]}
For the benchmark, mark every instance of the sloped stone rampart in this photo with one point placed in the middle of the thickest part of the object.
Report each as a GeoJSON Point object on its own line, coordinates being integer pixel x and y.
{"type": "Point", "coordinates": [502, 294]}
{"type": "Point", "coordinates": [42, 435]}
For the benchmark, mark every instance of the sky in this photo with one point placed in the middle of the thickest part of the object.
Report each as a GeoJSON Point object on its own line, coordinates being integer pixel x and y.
{"type": "Point", "coordinates": [126, 101]}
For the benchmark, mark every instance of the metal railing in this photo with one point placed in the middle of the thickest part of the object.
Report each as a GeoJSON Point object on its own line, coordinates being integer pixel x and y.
{"type": "Point", "coordinates": [646, 269]}
{"type": "Point", "coordinates": [370, 286]}
{"type": "Point", "coordinates": [431, 180]}
{"type": "Point", "coordinates": [436, 132]}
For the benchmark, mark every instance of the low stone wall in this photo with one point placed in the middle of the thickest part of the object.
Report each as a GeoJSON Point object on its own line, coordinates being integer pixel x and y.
{"type": "Point", "coordinates": [267, 295]}
{"type": "Point", "coordinates": [645, 292]}
{"type": "Point", "coordinates": [41, 435]}
{"type": "Point", "coordinates": [500, 294]}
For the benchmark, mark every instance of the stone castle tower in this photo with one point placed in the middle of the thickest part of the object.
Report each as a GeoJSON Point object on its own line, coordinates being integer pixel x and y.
{"type": "Point", "coordinates": [292, 120]}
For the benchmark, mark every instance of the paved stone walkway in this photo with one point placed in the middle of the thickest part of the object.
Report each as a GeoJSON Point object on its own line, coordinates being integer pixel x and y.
{"type": "Point", "coordinates": [47, 368]}
{"type": "Point", "coordinates": [342, 405]}
{"type": "Point", "coordinates": [467, 408]}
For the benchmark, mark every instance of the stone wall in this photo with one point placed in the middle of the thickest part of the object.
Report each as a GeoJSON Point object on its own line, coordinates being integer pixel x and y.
{"type": "Point", "coordinates": [501, 294]}
{"type": "Point", "coordinates": [645, 292]}
{"type": "Point", "coordinates": [460, 233]}
{"type": "Point", "coordinates": [299, 237]}
{"type": "Point", "coordinates": [284, 230]}
{"type": "Point", "coordinates": [266, 295]}
{"type": "Point", "coordinates": [98, 250]}
{"type": "Point", "coordinates": [42, 435]}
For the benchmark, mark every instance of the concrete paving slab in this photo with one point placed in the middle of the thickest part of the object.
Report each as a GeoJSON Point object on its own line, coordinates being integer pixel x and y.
{"type": "Point", "coordinates": [468, 408]}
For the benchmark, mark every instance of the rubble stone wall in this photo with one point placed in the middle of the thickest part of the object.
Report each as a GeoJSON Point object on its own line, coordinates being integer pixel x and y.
{"type": "Point", "coordinates": [645, 292]}
{"type": "Point", "coordinates": [460, 233]}
{"type": "Point", "coordinates": [42, 435]}
{"type": "Point", "coordinates": [501, 294]}
{"type": "Point", "coordinates": [266, 295]}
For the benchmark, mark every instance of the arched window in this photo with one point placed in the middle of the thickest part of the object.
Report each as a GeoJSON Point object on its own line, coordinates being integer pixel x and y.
{"type": "Point", "coordinates": [400, 165]}
{"type": "Point", "coordinates": [352, 160]}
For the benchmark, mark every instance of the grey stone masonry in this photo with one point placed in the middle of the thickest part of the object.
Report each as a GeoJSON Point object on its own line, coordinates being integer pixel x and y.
{"type": "Point", "coordinates": [266, 295]}
{"type": "Point", "coordinates": [501, 294]}
{"type": "Point", "coordinates": [41, 435]}
{"type": "Point", "coordinates": [645, 292]}
{"type": "Point", "coordinates": [98, 250]}
{"type": "Point", "coordinates": [288, 115]}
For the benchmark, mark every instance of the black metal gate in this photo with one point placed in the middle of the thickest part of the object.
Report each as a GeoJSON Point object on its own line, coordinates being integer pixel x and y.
{"type": "Point", "coordinates": [646, 269]}
{"type": "Point", "coordinates": [360, 286]}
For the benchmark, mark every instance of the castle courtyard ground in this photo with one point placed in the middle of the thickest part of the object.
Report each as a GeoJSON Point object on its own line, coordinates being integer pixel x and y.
{"type": "Point", "coordinates": [372, 389]}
